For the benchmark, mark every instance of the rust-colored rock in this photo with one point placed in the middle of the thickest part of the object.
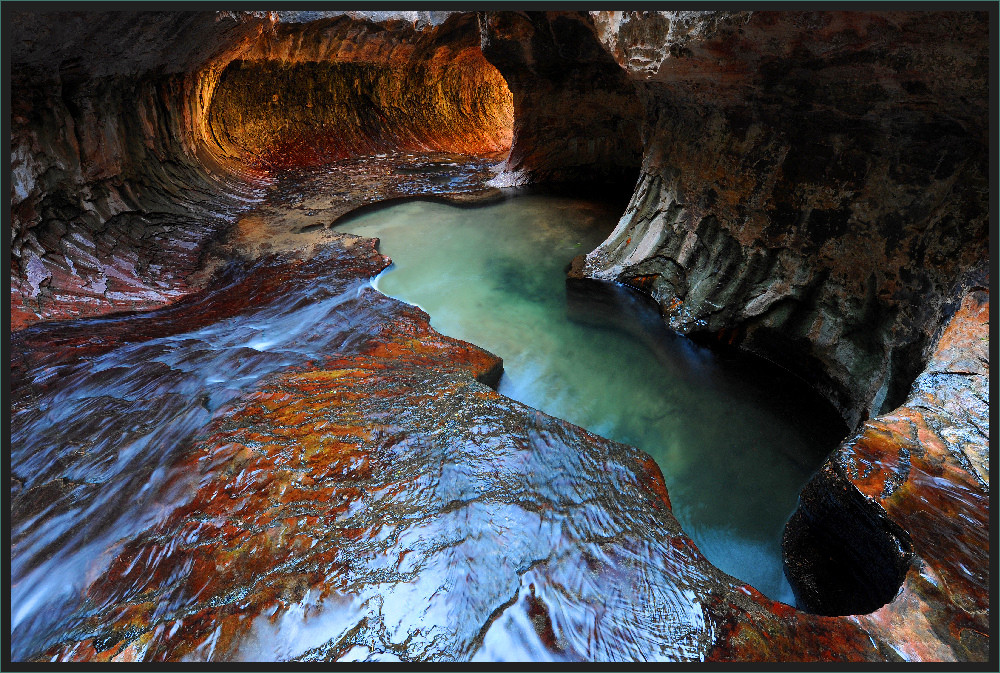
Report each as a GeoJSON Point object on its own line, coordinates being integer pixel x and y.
{"type": "Point", "coordinates": [376, 502]}
{"type": "Point", "coordinates": [285, 464]}
{"type": "Point", "coordinates": [135, 381]}
{"type": "Point", "coordinates": [114, 189]}
{"type": "Point", "coordinates": [338, 88]}
{"type": "Point", "coordinates": [576, 115]}
{"type": "Point", "coordinates": [127, 163]}
{"type": "Point", "coordinates": [923, 470]}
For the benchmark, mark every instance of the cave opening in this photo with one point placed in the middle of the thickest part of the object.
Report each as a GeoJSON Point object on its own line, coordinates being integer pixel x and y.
{"type": "Point", "coordinates": [440, 96]}
{"type": "Point", "coordinates": [199, 353]}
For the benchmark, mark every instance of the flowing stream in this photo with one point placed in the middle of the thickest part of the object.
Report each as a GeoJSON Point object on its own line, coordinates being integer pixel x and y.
{"type": "Point", "coordinates": [735, 441]}
{"type": "Point", "coordinates": [103, 408]}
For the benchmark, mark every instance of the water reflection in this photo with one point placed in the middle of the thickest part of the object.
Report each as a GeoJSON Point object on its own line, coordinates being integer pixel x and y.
{"type": "Point", "coordinates": [735, 440]}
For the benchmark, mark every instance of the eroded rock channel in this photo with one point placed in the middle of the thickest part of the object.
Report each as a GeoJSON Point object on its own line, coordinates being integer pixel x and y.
{"type": "Point", "coordinates": [226, 444]}
{"type": "Point", "coordinates": [728, 436]}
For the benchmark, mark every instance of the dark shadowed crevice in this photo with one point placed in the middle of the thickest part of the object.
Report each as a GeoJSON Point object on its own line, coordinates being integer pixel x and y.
{"type": "Point", "coordinates": [843, 555]}
{"type": "Point", "coordinates": [577, 117]}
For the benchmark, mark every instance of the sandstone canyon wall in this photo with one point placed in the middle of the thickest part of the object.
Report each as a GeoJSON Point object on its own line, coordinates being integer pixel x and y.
{"type": "Point", "coordinates": [126, 163]}
{"type": "Point", "coordinates": [338, 87]}
{"type": "Point", "coordinates": [113, 185]}
{"type": "Point", "coordinates": [812, 188]}
{"type": "Point", "coordinates": [577, 118]}
{"type": "Point", "coordinates": [814, 185]}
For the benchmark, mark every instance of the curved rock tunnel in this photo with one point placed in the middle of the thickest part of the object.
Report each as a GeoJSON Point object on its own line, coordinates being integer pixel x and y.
{"type": "Point", "coordinates": [809, 187]}
{"type": "Point", "coordinates": [314, 93]}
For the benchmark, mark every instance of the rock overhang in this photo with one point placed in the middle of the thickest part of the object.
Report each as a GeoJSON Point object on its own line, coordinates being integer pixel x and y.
{"type": "Point", "coordinates": [673, 65]}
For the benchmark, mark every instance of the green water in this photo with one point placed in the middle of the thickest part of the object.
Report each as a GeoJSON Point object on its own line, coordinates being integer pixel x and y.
{"type": "Point", "coordinates": [721, 431]}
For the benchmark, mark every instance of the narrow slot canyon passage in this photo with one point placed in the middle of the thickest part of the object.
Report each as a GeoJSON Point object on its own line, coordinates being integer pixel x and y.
{"type": "Point", "coordinates": [499, 336]}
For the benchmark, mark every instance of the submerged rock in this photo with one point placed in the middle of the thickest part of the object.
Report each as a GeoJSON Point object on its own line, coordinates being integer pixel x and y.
{"type": "Point", "coordinates": [813, 189]}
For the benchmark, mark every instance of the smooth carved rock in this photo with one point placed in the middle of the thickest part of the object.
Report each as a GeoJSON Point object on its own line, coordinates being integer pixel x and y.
{"type": "Point", "coordinates": [115, 189]}
{"type": "Point", "coordinates": [381, 503]}
{"type": "Point", "coordinates": [576, 115]}
{"type": "Point", "coordinates": [920, 470]}
{"type": "Point", "coordinates": [90, 397]}
{"type": "Point", "coordinates": [337, 88]}
{"type": "Point", "coordinates": [813, 189]}
{"type": "Point", "coordinates": [813, 183]}
{"type": "Point", "coordinates": [126, 165]}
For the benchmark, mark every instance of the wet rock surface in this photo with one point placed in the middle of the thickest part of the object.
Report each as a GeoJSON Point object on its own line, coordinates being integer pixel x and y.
{"type": "Point", "coordinates": [355, 492]}
{"type": "Point", "coordinates": [351, 491]}
{"type": "Point", "coordinates": [924, 469]}
{"type": "Point", "coordinates": [292, 220]}
{"type": "Point", "coordinates": [305, 204]}
{"type": "Point", "coordinates": [378, 505]}
{"type": "Point", "coordinates": [127, 163]}
{"type": "Point", "coordinates": [184, 485]}
{"type": "Point", "coordinates": [156, 379]}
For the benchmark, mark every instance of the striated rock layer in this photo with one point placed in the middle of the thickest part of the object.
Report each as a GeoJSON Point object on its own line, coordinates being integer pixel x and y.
{"type": "Point", "coordinates": [341, 87]}
{"type": "Point", "coordinates": [127, 162]}
{"type": "Point", "coordinates": [114, 187]}
{"type": "Point", "coordinates": [813, 189]}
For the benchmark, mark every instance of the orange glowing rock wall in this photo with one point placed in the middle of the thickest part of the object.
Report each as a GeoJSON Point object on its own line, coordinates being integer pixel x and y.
{"type": "Point", "coordinates": [337, 88]}
{"type": "Point", "coordinates": [137, 137]}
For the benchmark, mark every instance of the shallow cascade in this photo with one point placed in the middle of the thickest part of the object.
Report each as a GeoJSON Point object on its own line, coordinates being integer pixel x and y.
{"type": "Point", "coordinates": [734, 440]}
{"type": "Point", "coordinates": [236, 434]}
